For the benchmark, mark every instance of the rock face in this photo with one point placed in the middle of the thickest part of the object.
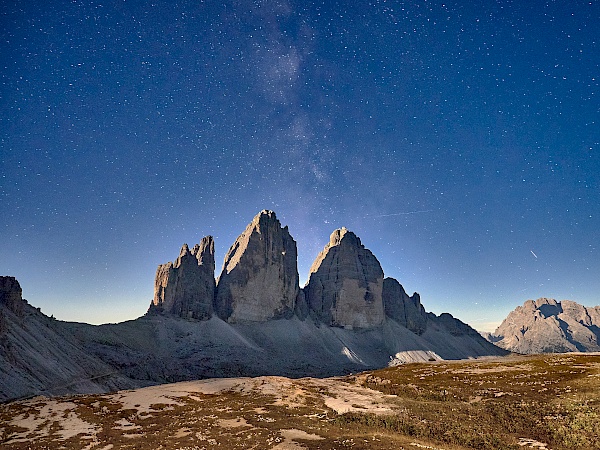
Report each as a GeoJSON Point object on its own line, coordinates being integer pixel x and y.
{"type": "Point", "coordinates": [187, 286]}
{"type": "Point", "coordinates": [11, 295]}
{"type": "Point", "coordinates": [405, 310]}
{"type": "Point", "coordinates": [550, 326]}
{"type": "Point", "coordinates": [346, 319]}
{"type": "Point", "coordinates": [346, 283]}
{"type": "Point", "coordinates": [260, 279]}
{"type": "Point", "coordinates": [40, 355]}
{"type": "Point", "coordinates": [452, 325]}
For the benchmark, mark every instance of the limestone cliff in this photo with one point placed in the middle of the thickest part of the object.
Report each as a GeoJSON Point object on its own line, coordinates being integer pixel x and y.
{"type": "Point", "coordinates": [11, 295]}
{"type": "Point", "coordinates": [346, 283]}
{"type": "Point", "coordinates": [259, 280]}
{"type": "Point", "coordinates": [40, 355]}
{"type": "Point", "coordinates": [549, 326]}
{"type": "Point", "coordinates": [405, 310]}
{"type": "Point", "coordinates": [336, 324]}
{"type": "Point", "coordinates": [187, 287]}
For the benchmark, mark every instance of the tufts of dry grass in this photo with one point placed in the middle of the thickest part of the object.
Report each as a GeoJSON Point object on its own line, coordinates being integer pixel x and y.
{"type": "Point", "coordinates": [546, 401]}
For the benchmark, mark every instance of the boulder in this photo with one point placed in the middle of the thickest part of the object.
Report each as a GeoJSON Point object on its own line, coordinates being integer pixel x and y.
{"type": "Point", "coordinates": [186, 287]}
{"type": "Point", "coordinates": [259, 280]}
{"type": "Point", "coordinates": [346, 283]}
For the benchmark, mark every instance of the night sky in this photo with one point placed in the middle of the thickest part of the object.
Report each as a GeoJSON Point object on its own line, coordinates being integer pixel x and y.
{"type": "Point", "coordinates": [459, 140]}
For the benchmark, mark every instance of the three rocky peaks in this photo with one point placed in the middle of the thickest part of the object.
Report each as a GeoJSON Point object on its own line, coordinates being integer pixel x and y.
{"type": "Point", "coordinates": [260, 282]}
{"type": "Point", "coordinates": [347, 318]}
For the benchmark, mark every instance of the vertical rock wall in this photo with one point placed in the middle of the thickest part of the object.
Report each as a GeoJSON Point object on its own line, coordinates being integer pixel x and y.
{"type": "Point", "coordinates": [405, 310]}
{"type": "Point", "coordinates": [259, 280]}
{"type": "Point", "coordinates": [11, 295]}
{"type": "Point", "coordinates": [346, 283]}
{"type": "Point", "coordinates": [187, 286]}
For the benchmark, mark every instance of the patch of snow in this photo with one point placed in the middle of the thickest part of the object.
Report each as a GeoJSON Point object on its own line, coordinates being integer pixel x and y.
{"type": "Point", "coordinates": [351, 355]}
{"type": "Point", "coordinates": [531, 443]}
{"type": "Point", "coordinates": [290, 435]}
{"type": "Point", "coordinates": [52, 412]}
{"type": "Point", "coordinates": [412, 356]}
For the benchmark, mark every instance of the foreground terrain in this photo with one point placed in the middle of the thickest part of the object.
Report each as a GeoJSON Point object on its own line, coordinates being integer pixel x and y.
{"type": "Point", "coordinates": [43, 356]}
{"type": "Point", "coordinates": [543, 401]}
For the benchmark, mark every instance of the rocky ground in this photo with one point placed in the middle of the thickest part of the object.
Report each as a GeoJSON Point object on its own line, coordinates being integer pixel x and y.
{"type": "Point", "coordinates": [544, 402]}
{"type": "Point", "coordinates": [41, 355]}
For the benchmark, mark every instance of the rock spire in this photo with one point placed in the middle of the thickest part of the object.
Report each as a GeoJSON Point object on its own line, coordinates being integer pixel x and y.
{"type": "Point", "coordinates": [405, 310]}
{"type": "Point", "coordinates": [346, 283]}
{"type": "Point", "coordinates": [187, 286]}
{"type": "Point", "coordinates": [259, 280]}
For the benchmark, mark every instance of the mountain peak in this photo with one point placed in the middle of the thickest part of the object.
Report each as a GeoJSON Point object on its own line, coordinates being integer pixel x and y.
{"type": "Point", "coordinates": [11, 294]}
{"type": "Point", "coordinates": [187, 286]}
{"type": "Point", "coordinates": [346, 283]}
{"type": "Point", "coordinates": [259, 280]}
{"type": "Point", "coordinates": [549, 326]}
{"type": "Point", "coordinates": [341, 234]}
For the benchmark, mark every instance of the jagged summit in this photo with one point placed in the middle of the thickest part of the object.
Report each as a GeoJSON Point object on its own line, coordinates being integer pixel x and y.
{"type": "Point", "coordinates": [346, 283]}
{"type": "Point", "coordinates": [11, 295]}
{"type": "Point", "coordinates": [259, 280]}
{"type": "Point", "coordinates": [254, 321]}
{"type": "Point", "coordinates": [350, 240]}
{"type": "Point", "coordinates": [187, 287]}
{"type": "Point", "coordinates": [341, 233]}
{"type": "Point", "coordinates": [405, 310]}
{"type": "Point", "coordinates": [549, 326]}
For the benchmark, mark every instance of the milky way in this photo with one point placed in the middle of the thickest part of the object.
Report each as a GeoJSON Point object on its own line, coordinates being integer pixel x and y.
{"type": "Point", "coordinates": [455, 139]}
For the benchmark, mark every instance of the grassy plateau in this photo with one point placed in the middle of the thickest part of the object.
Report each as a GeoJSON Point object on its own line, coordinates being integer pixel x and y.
{"type": "Point", "coordinates": [516, 402]}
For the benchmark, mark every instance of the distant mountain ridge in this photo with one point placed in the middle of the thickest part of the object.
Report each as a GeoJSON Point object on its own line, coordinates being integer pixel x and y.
{"type": "Point", "coordinates": [254, 319]}
{"type": "Point", "coordinates": [549, 326]}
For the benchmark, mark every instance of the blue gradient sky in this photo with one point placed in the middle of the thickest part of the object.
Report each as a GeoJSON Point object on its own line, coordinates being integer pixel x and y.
{"type": "Point", "coordinates": [460, 142]}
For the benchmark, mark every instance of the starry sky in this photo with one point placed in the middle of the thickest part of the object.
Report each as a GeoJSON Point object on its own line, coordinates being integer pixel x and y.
{"type": "Point", "coordinates": [459, 140]}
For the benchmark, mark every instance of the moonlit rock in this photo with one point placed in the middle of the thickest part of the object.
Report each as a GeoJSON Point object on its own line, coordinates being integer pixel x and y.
{"type": "Point", "coordinates": [549, 326]}
{"type": "Point", "coordinates": [337, 324]}
{"type": "Point", "coordinates": [186, 287]}
{"type": "Point", "coordinates": [346, 283]}
{"type": "Point", "coordinates": [11, 295]}
{"type": "Point", "coordinates": [259, 281]}
{"type": "Point", "coordinates": [159, 348]}
{"type": "Point", "coordinates": [405, 310]}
